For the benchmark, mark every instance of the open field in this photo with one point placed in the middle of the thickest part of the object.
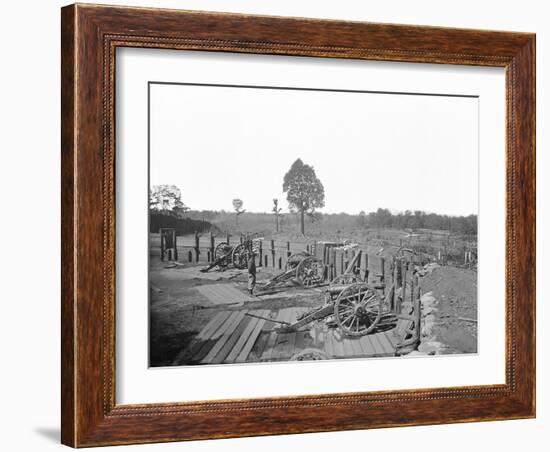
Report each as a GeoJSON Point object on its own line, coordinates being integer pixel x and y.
{"type": "Point", "coordinates": [432, 245]}
{"type": "Point", "coordinates": [185, 302]}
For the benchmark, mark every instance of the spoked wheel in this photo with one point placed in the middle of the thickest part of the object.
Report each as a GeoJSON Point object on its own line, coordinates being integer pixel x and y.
{"type": "Point", "coordinates": [239, 257]}
{"type": "Point", "coordinates": [358, 309]}
{"type": "Point", "coordinates": [222, 249]}
{"type": "Point", "coordinates": [294, 260]}
{"type": "Point", "coordinates": [310, 272]}
{"type": "Point", "coordinates": [344, 280]}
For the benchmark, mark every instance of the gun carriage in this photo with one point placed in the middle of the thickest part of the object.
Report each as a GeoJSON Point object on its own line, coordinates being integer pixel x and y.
{"type": "Point", "coordinates": [303, 268]}
{"type": "Point", "coordinates": [355, 305]}
{"type": "Point", "coordinates": [235, 255]}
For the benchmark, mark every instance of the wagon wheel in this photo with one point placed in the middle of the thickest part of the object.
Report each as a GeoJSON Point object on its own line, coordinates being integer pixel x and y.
{"type": "Point", "coordinates": [345, 279]}
{"type": "Point", "coordinates": [310, 272]}
{"type": "Point", "coordinates": [358, 309]}
{"type": "Point", "coordinates": [221, 250]}
{"type": "Point", "coordinates": [294, 260]}
{"type": "Point", "coordinates": [239, 256]}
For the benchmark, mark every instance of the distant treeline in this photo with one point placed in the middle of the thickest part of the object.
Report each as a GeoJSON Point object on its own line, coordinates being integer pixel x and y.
{"type": "Point", "coordinates": [418, 219]}
{"type": "Point", "coordinates": [382, 218]}
{"type": "Point", "coordinates": [181, 225]}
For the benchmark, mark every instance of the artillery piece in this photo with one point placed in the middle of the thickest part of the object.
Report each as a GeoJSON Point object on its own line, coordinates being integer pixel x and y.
{"type": "Point", "coordinates": [356, 305]}
{"type": "Point", "coordinates": [306, 270]}
{"type": "Point", "coordinates": [236, 255]}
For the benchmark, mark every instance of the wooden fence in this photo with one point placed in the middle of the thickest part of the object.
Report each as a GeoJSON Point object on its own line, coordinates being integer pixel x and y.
{"type": "Point", "coordinates": [274, 254]}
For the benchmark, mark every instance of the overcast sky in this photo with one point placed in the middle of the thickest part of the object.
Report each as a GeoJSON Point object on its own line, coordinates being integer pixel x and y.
{"type": "Point", "coordinates": [399, 152]}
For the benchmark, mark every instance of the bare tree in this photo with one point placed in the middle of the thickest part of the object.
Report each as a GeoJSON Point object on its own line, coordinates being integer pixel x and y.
{"type": "Point", "coordinates": [238, 206]}
{"type": "Point", "coordinates": [277, 211]}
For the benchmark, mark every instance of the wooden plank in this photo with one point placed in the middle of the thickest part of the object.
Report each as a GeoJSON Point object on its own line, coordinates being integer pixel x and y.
{"type": "Point", "coordinates": [329, 344]}
{"type": "Point", "coordinates": [224, 325]}
{"type": "Point", "coordinates": [338, 344]}
{"type": "Point", "coordinates": [392, 338]}
{"type": "Point", "coordinates": [376, 344]}
{"type": "Point", "coordinates": [250, 342]}
{"type": "Point", "coordinates": [356, 346]}
{"type": "Point", "coordinates": [367, 346]}
{"type": "Point", "coordinates": [268, 352]}
{"type": "Point", "coordinates": [257, 351]}
{"type": "Point", "coordinates": [223, 293]}
{"type": "Point", "coordinates": [385, 343]}
{"type": "Point", "coordinates": [241, 341]}
{"type": "Point", "coordinates": [213, 324]}
{"type": "Point", "coordinates": [244, 325]}
{"type": "Point", "coordinates": [347, 344]}
{"type": "Point", "coordinates": [279, 347]}
{"type": "Point", "coordinates": [201, 339]}
{"type": "Point", "coordinates": [223, 337]}
{"type": "Point", "coordinates": [205, 348]}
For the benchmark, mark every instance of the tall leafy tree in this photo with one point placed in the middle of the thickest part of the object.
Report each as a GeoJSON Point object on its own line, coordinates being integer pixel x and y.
{"type": "Point", "coordinates": [304, 191]}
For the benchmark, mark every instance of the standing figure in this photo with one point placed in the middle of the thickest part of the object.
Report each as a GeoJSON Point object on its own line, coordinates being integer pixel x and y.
{"type": "Point", "coordinates": [251, 264]}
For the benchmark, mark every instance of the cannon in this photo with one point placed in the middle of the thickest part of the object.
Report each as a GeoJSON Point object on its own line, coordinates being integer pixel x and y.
{"type": "Point", "coordinates": [236, 255]}
{"type": "Point", "coordinates": [223, 256]}
{"type": "Point", "coordinates": [355, 305]}
{"type": "Point", "coordinates": [305, 269]}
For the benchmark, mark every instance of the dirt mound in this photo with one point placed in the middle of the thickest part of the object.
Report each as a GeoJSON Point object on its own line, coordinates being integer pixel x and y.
{"type": "Point", "coordinates": [455, 289]}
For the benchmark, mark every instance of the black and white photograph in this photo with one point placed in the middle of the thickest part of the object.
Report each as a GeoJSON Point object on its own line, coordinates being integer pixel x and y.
{"type": "Point", "coordinates": [298, 224]}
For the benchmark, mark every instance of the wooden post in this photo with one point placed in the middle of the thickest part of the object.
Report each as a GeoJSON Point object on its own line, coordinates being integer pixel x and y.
{"type": "Point", "coordinates": [403, 282]}
{"type": "Point", "coordinates": [197, 249]}
{"type": "Point", "coordinates": [333, 262]}
{"type": "Point", "coordinates": [261, 252]}
{"type": "Point", "coordinates": [394, 277]}
{"type": "Point", "coordinates": [346, 261]}
{"type": "Point", "coordinates": [190, 256]}
{"type": "Point", "coordinates": [280, 263]}
{"type": "Point", "coordinates": [227, 238]}
{"type": "Point", "coordinates": [273, 252]}
{"type": "Point", "coordinates": [208, 255]}
{"type": "Point", "coordinates": [366, 267]}
{"type": "Point", "coordinates": [288, 249]}
{"type": "Point", "coordinates": [212, 245]}
{"type": "Point", "coordinates": [413, 285]}
{"type": "Point", "coordinates": [383, 274]}
{"type": "Point", "coordinates": [175, 246]}
{"type": "Point", "coordinates": [265, 260]}
{"type": "Point", "coordinates": [161, 245]}
{"type": "Point", "coordinates": [417, 312]}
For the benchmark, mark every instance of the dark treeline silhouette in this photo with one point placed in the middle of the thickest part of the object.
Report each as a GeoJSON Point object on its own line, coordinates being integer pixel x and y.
{"type": "Point", "coordinates": [418, 219]}
{"type": "Point", "coordinates": [182, 226]}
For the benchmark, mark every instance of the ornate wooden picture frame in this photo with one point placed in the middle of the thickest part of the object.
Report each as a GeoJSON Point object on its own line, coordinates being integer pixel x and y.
{"type": "Point", "coordinates": [90, 37]}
